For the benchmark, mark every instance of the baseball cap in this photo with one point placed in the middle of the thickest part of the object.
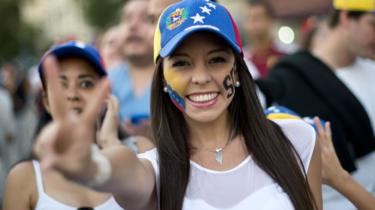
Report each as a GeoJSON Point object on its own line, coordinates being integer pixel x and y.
{"type": "Point", "coordinates": [354, 5]}
{"type": "Point", "coordinates": [75, 49]}
{"type": "Point", "coordinates": [185, 17]}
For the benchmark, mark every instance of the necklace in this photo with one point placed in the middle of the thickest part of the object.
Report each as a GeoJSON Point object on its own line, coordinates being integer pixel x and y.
{"type": "Point", "coordinates": [219, 156]}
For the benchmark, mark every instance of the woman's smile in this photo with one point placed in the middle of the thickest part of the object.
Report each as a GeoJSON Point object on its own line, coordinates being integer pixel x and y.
{"type": "Point", "coordinates": [203, 99]}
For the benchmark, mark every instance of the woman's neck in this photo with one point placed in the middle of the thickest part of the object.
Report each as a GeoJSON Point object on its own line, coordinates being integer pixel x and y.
{"type": "Point", "coordinates": [210, 135]}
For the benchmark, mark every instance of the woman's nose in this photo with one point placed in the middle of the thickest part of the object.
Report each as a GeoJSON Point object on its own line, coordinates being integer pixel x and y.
{"type": "Point", "coordinates": [200, 76]}
{"type": "Point", "coordinates": [73, 94]}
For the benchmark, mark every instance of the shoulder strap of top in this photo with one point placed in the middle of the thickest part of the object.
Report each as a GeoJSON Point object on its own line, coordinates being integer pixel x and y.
{"type": "Point", "coordinates": [39, 178]}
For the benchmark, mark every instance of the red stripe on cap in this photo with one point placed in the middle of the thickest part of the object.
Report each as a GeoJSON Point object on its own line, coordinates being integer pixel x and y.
{"type": "Point", "coordinates": [236, 31]}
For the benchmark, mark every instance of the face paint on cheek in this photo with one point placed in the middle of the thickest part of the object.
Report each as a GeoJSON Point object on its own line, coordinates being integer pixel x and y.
{"type": "Point", "coordinates": [228, 84]}
{"type": "Point", "coordinates": [176, 87]}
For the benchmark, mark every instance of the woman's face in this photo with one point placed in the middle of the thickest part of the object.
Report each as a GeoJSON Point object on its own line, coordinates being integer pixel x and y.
{"type": "Point", "coordinates": [200, 77]}
{"type": "Point", "coordinates": [78, 79]}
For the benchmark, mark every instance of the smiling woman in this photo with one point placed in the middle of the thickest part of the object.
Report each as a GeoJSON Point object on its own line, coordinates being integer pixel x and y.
{"type": "Point", "coordinates": [214, 133]}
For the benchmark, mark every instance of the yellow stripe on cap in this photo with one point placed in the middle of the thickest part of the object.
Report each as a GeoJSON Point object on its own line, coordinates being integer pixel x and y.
{"type": "Point", "coordinates": [275, 116]}
{"type": "Point", "coordinates": [354, 5]}
{"type": "Point", "coordinates": [157, 42]}
{"type": "Point", "coordinates": [157, 38]}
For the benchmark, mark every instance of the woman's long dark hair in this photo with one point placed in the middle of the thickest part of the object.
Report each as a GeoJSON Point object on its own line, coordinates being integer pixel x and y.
{"type": "Point", "coordinates": [264, 140]}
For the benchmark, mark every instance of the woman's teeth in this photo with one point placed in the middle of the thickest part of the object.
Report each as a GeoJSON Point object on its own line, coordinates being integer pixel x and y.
{"type": "Point", "coordinates": [202, 98]}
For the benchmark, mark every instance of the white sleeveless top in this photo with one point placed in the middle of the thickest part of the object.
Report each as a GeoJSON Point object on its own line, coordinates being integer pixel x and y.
{"type": "Point", "coordinates": [45, 202]}
{"type": "Point", "coordinates": [245, 186]}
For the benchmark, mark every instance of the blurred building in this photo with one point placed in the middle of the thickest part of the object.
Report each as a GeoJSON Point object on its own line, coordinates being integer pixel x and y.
{"type": "Point", "coordinates": [57, 19]}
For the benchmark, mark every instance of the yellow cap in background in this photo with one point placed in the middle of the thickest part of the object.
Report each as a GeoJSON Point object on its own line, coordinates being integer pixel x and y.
{"type": "Point", "coordinates": [354, 5]}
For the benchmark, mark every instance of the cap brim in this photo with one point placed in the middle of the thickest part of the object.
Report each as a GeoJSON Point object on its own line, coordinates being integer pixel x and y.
{"type": "Point", "coordinates": [178, 38]}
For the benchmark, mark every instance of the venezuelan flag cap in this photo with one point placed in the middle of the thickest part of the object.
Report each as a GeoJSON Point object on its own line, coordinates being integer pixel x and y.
{"type": "Point", "coordinates": [182, 19]}
{"type": "Point", "coordinates": [354, 5]}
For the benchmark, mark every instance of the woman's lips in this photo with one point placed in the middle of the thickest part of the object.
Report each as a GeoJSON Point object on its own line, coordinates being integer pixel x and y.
{"type": "Point", "coordinates": [203, 100]}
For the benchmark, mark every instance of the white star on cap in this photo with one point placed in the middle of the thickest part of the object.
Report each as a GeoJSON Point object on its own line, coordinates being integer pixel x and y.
{"type": "Point", "coordinates": [197, 18]}
{"type": "Point", "coordinates": [211, 5]}
{"type": "Point", "coordinates": [205, 9]}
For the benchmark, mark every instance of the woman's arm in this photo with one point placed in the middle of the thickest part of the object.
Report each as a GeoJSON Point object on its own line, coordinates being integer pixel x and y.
{"type": "Point", "coordinates": [132, 181]}
{"type": "Point", "coordinates": [314, 176]}
{"type": "Point", "coordinates": [352, 190]}
{"type": "Point", "coordinates": [20, 188]}
{"type": "Point", "coordinates": [335, 176]}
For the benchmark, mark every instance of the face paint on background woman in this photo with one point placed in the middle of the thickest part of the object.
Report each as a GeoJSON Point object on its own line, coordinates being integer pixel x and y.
{"type": "Point", "coordinates": [176, 88]}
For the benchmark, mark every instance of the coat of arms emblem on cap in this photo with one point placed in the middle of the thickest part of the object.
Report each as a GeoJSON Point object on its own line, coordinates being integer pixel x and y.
{"type": "Point", "coordinates": [176, 18]}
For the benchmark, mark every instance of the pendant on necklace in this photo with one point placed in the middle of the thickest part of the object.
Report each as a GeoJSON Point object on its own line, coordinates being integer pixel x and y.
{"type": "Point", "coordinates": [219, 155]}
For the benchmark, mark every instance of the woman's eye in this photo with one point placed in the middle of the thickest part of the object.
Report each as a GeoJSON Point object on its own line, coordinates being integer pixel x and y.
{"type": "Point", "coordinates": [87, 84]}
{"type": "Point", "coordinates": [217, 60]}
{"type": "Point", "coordinates": [180, 64]}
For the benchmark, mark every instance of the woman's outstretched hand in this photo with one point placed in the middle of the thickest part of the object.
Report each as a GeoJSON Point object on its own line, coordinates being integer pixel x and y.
{"type": "Point", "coordinates": [331, 167]}
{"type": "Point", "coordinates": [65, 143]}
{"type": "Point", "coordinates": [334, 175]}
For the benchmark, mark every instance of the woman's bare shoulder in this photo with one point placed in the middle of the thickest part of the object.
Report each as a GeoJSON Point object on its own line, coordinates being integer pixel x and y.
{"type": "Point", "coordinates": [20, 190]}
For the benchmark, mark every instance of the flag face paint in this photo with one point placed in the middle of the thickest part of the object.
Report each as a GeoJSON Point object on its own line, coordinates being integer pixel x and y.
{"type": "Point", "coordinates": [176, 87]}
{"type": "Point", "coordinates": [228, 84]}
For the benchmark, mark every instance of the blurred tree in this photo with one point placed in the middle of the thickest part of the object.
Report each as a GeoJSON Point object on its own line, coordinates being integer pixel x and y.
{"type": "Point", "coordinates": [102, 14]}
{"type": "Point", "coordinates": [16, 37]}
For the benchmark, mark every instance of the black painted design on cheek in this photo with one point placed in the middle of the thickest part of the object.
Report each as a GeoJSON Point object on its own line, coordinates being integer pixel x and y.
{"type": "Point", "coordinates": [228, 85]}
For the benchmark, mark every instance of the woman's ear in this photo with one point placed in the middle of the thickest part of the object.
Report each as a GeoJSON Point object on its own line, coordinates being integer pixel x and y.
{"type": "Point", "coordinates": [45, 101]}
{"type": "Point", "coordinates": [344, 19]}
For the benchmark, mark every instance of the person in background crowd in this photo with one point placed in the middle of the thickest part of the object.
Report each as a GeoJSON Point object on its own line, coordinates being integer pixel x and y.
{"type": "Point", "coordinates": [7, 134]}
{"type": "Point", "coordinates": [131, 80]}
{"type": "Point", "coordinates": [215, 147]}
{"type": "Point", "coordinates": [258, 25]}
{"type": "Point", "coordinates": [156, 7]}
{"type": "Point", "coordinates": [109, 45]}
{"type": "Point", "coordinates": [313, 31]}
{"type": "Point", "coordinates": [18, 86]}
{"type": "Point", "coordinates": [334, 82]}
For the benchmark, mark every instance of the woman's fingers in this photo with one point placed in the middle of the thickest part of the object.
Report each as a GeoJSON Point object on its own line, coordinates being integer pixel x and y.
{"type": "Point", "coordinates": [109, 129]}
{"type": "Point", "coordinates": [44, 147]}
{"type": "Point", "coordinates": [328, 131]}
{"type": "Point", "coordinates": [97, 100]}
{"type": "Point", "coordinates": [54, 88]}
{"type": "Point", "coordinates": [318, 125]}
{"type": "Point", "coordinates": [115, 104]}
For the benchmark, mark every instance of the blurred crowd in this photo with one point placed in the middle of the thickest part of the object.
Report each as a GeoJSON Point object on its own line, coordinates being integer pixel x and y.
{"type": "Point", "coordinates": [328, 73]}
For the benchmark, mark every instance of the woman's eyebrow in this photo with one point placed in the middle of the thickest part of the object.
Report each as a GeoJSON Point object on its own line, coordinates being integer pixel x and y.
{"type": "Point", "coordinates": [83, 76]}
{"type": "Point", "coordinates": [179, 54]}
{"type": "Point", "coordinates": [226, 50]}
